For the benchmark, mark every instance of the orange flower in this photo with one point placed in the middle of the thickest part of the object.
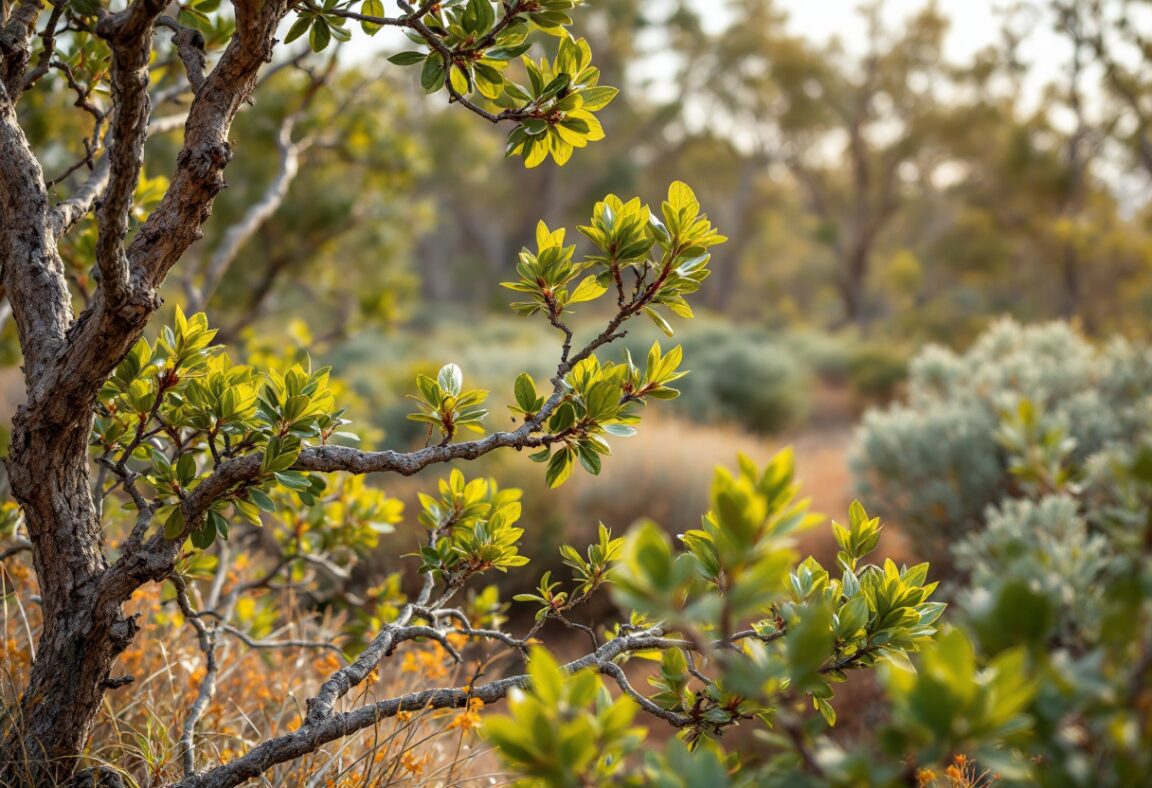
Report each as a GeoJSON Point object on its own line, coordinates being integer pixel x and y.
{"type": "Point", "coordinates": [412, 764]}
{"type": "Point", "coordinates": [469, 718]}
{"type": "Point", "coordinates": [428, 663]}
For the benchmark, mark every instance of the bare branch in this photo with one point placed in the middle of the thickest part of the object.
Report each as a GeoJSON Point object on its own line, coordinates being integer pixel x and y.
{"type": "Point", "coordinates": [129, 34]}
{"type": "Point", "coordinates": [256, 216]}
{"type": "Point", "coordinates": [315, 733]}
{"type": "Point", "coordinates": [207, 640]}
{"type": "Point", "coordinates": [190, 46]}
{"type": "Point", "coordinates": [251, 642]}
{"type": "Point", "coordinates": [20, 546]}
{"type": "Point", "coordinates": [338, 685]}
{"type": "Point", "coordinates": [76, 207]}
{"type": "Point", "coordinates": [48, 36]}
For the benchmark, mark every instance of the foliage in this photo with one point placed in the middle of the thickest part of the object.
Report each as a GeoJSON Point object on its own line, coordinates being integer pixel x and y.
{"type": "Point", "coordinates": [468, 49]}
{"type": "Point", "coordinates": [554, 738]}
{"type": "Point", "coordinates": [745, 632]}
{"type": "Point", "coordinates": [1056, 577]}
{"type": "Point", "coordinates": [936, 462]}
{"type": "Point", "coordinates": [201, 482]}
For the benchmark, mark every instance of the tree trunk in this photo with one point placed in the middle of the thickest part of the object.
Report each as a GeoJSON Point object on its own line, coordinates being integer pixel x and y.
{"type": "Point", "coordinates": [854, 267]}
{"type": "Point", "coordinates": [83, 633]}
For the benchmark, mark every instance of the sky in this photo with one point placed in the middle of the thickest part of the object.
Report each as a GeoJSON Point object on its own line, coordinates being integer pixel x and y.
{"type": "Point", "coordinates": [974, 24]}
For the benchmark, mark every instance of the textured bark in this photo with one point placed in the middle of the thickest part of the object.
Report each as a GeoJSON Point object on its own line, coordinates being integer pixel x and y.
{"type": "Point", "coordinates": [48, 472]}
{"type": "Point", "coordinates": [66, 360]}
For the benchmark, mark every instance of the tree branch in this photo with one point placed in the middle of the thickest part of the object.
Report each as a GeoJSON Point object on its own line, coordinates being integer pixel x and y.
{"type": "Point", "coordinates": [129, 35]}
{"type": "Point", "coordinates": [76, 207]}
{"type": "Point", "coordinates": [48, 36]}
{"type": "Point", "coordinates": [33, 275]}
{"type": "Point", "coordinates": [106, 329]}
{"type": "Point", "coordinates": [263, 209]}
{"type": "Point", "coordinates": [15, 51]}
{"type": "Point", "coordinates": [207, 640]}
{"type": "Point", "coordinates": [190, 46]}
{"type": "Point", "coordinates": [314, 734]}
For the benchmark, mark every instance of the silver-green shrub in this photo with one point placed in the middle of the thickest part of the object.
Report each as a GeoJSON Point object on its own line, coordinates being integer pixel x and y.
{"type": "Point", "coordinates": [935, 463]}
{"type": "Point", "coordinates": [1049, 546]}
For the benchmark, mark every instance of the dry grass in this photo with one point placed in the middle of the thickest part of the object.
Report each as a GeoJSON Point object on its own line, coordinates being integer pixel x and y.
{"type": "Point", "coordinates": [260, 693]}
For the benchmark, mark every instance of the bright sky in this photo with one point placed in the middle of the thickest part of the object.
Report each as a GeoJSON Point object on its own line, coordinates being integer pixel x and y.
{"type": "Point", "coordinates": [974, 25]}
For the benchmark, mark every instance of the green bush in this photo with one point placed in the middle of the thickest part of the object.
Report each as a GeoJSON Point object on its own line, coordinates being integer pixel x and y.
{"type": "Point", "coordinates": [876, 371]}
{"type": "Point", "coordinates": [1024, 465]}
{"type": "Point", "coordinates": [1046, 546]}
{"type": "Point", "coordinates": [754, 384]}
{"type": "Point", "coordinates": [936, 462]}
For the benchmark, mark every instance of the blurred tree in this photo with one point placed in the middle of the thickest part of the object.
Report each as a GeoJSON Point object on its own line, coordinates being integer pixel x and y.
{"type": "Point", "coordinates": [337, 205]}
{"type": "Point", "coordinates": [855, 132]}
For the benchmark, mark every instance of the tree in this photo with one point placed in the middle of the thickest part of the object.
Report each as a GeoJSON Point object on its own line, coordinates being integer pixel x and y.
{"type": "Point", "coordinates": [855, 132]}
{"type": "Point", "coordinates": [131, 457]}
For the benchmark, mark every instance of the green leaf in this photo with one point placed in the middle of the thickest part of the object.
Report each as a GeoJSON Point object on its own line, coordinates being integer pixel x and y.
{"type": "Point", "coordinates": [219, 524]}
{"type": "Point", "coordinates": [826, 710]}
{"type": "Point", "coordinates": [451, 379]}
{"type": "Point", "coordinates": [597, 98]}
{"type": "Point", "coordinates": [459, 80]}
{"type": "Point", "coordinates": [588, 290]}
{"type": "Point", "coordinates": [262, 501]}
{"type": "Point", "coordinates": [299, 27]}
{"type": "Point", "coordinates": [660, 322]}
{"type": "Point", "coordinates": [525, 389]}
{"type": "Point", "coordinates": [432, 75]}
{"type": "Point", "coordinates": [319, 36]}
{"type": "Point", "coordinates": [372, 8]}
{"type": "Point", "coordinates": [547, 678]}
{"type": "Point", "coordinates": [559, 467]}
{"type": "Point", "coordinates": [407, 58]}
{"type": "Point", "coordinates": [174, 525]}
{"type": "Point", "coordinates": [293, 480]}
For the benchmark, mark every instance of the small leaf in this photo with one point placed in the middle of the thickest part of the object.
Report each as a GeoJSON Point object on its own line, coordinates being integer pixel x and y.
{"type": "Point", "coordinates": [525, 392]}
{"type": "Point", "coordinates": [451, 379]}
{"type": "Point", "coordinates": [407, 58]}
{"type": "Point", "coordinates": [320, 35]}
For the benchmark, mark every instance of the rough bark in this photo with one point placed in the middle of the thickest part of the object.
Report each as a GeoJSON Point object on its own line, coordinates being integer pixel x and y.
{"type": "Point", "coordinates": [67, 360]}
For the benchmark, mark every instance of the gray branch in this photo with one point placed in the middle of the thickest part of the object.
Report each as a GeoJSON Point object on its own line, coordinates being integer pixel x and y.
{"type": "Point", "coordinates": [254, 218]}
{"type": "Point", "coordinates": [315, 732]}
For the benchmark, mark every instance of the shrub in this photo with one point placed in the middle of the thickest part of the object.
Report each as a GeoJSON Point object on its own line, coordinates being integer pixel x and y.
{"type": "Point", "coordinates": [877, 371]}
{"type": "Point", "coordinates": [1064, 578]}
{"type": "Point", "coordinates": [745, 378]}
{"type": "Point", "coordinates": [1046, 546]}
{"type": "Point", "coordinates": [936, 463]}
{"type": "Point", "coordinates": [1050, 434]}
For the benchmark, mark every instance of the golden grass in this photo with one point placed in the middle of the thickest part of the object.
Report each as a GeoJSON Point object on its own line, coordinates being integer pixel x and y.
{"type": "Point", "coordinates": [260, 693]}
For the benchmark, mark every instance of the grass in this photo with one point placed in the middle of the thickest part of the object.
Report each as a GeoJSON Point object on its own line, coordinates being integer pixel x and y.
{"type": "Point", "coordinates": [260, 693]}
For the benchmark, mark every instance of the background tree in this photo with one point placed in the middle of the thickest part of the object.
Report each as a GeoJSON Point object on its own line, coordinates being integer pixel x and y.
{"type": "Point", "coordinates": [854, 132]}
